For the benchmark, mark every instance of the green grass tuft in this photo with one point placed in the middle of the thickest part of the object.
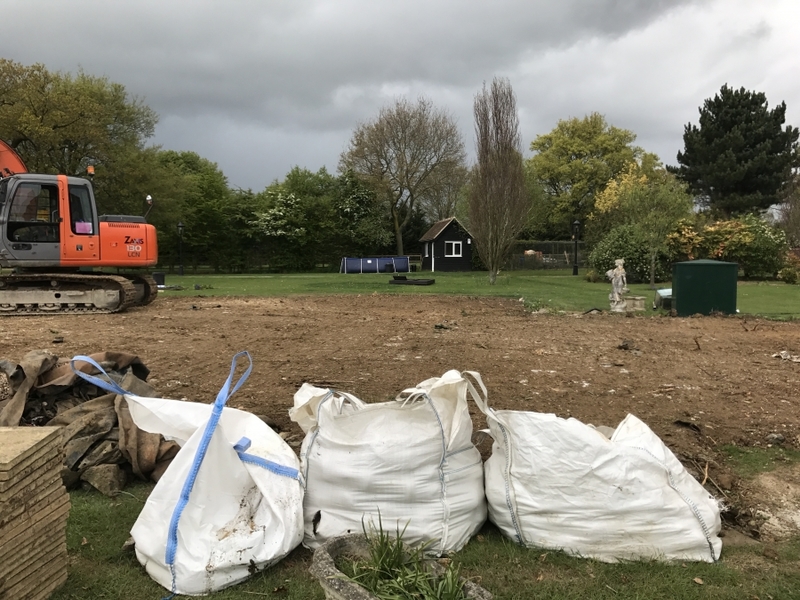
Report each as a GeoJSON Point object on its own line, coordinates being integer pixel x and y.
{"type": "Point", "coordinates": [750, 461]}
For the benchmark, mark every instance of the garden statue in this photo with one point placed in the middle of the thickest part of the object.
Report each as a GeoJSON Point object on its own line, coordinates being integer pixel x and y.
{"type": "Point", "coordinates": [619, 286]}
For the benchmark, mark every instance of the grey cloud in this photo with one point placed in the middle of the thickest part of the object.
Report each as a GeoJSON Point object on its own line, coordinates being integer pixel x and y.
{"type": "Point", "coordinates": [261, 86]}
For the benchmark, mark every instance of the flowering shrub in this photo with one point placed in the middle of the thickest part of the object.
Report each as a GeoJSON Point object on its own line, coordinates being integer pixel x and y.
{"type": "Point", "coordinates": [684, 242]}
{"type": "Point", "coordinates": [756, 246]}
{"type": "Point", "coordinates": [626, 242]}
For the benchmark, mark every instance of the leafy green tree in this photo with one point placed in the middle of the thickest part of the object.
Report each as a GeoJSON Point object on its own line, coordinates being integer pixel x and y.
{"type": "Point", "coordinates": [123, 183]}
{"type": "Point", "coordinates": [406, 154]}
{"type": "Point", "coordinates": [628, 242]}
{"type": "Point", "coordinates": [362, 226]}
{"type": "Point", "coordinates": [315, 218]}
{"type": "Point", "coordinates": [498, 202]}
{"type": "Point", "coordinates": [741, 155]}
{"type": "Point", "coordinates": [290, 226]}
{"type": "Point", "coordinates": [204, 208]}
{"type": "Point", "coordinates": [61, 123]}
{"type": "Point", "coordinates": [575, 161]}
{"type": "Point", "coordinates": [307, 184]}
{"type": "Point", "coordinates": [653, 204]}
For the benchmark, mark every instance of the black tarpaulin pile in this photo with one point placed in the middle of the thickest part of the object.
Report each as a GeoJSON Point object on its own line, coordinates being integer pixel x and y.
{"type": "Point", "coordinates": [101, 444]}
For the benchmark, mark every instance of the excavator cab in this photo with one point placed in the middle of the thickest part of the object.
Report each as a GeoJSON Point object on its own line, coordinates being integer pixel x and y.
{"type": "Point", "coordinates": [37, 222]}
{"type": "Point", "coordinates": [49, 221]}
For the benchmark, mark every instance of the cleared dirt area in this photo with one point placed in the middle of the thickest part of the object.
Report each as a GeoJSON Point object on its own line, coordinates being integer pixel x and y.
{"type": "Point", "coordinates": [699, 383]}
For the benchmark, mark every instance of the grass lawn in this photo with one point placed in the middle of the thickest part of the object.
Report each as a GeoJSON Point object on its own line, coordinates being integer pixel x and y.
{"type": "Point", "coordinates": [553, 289]}
{"type": "Point", "coordinates": [98, 526]}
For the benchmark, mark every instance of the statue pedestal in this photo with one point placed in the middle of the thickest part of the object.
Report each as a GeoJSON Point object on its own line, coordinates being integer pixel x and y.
{"type": "Point", "coordinates": [634, 303]}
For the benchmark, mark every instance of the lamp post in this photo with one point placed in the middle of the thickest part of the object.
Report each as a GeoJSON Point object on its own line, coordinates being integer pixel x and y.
{"type": "Point", "coordinates": [180, 248]}
{"type": "Point", "coordinates": [576, 228]}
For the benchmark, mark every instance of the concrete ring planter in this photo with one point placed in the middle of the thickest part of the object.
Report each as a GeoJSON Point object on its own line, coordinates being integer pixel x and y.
{"type": "Point", "coordinates": [336, 588]}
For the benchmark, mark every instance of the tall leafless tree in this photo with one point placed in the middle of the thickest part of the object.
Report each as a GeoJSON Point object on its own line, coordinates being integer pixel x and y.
{"type": "Point", "coordinates": [498, 202]}
{"type": "Point", "coordinates": [789, 211]}
{"type": "Point", "coordinates": [408, 153]}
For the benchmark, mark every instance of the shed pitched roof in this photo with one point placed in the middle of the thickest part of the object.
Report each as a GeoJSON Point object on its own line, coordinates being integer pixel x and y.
{"type": "Point", "coordinates": [438, 228]}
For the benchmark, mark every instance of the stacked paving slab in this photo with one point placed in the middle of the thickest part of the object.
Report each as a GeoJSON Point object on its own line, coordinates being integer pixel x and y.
{"type": "Point", "coordinates": [34, 506]}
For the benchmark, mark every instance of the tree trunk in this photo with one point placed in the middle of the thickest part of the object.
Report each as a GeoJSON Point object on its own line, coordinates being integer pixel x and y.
{"type": "Point", "coordinates": [398, 232]}
{"type": "Point", "coordinates": [493, 276]}
{"type": "Point", "coordinates": [652, 270]}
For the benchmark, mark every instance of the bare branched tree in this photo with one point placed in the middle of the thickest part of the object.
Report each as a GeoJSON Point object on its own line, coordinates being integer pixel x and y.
{"type": "Point", "coordinates": [789, 211]}
{"type": "Point", "coordinates": [407, 154]}
{"type": "Point", "coordinates": [443, 199]}
{"type": "Point", "coordinates": [498, 202]}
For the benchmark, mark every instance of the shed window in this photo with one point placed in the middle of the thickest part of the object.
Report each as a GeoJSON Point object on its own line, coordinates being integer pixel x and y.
{"type": "Point", "coordinates": [452, 249]}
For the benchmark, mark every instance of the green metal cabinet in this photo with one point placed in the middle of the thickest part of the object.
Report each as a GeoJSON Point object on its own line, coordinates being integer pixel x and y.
{"type": "Point", "coordinates": [704, 286]}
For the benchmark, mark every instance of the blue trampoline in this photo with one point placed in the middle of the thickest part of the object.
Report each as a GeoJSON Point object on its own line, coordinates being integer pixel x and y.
{"type": "Point", "coordinates": [389, 264]}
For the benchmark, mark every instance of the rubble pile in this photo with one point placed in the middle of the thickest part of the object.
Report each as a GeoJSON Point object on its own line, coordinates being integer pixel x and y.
{"type": "Point", "coordinates": [34, 506]}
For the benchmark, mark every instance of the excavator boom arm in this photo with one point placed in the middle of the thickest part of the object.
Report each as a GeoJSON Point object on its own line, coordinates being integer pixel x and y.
{"type": "Point", "coordinates": [10, 162]}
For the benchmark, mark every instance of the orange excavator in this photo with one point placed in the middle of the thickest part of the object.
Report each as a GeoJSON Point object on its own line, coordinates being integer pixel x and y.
{"type": "Point", "coordinates": [52, 239]}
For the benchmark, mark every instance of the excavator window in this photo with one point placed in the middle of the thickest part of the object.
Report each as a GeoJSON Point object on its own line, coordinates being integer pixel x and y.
{"type": "Point", "coordinates": [80, 209]}
{"type": "Point", "coordinates": [33, 214]}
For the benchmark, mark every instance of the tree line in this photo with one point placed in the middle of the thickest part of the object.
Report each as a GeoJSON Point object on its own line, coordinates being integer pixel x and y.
{"type": "Point", "coordinates": [405, 169]}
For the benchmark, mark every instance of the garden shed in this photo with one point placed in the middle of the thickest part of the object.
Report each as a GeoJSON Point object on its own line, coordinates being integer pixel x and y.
{"type": "Point", "coordinates": [447, 246]}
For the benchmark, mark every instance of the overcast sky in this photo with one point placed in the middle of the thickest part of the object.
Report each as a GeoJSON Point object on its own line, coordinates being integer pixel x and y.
{"type": "Point", "coordinates": [259, 86]}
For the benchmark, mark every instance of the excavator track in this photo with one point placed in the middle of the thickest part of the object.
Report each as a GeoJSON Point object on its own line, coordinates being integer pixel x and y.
{"type": "Point", "coordinates": [28, 294]}
{"type": "Point", "coordinates": [150, 288]}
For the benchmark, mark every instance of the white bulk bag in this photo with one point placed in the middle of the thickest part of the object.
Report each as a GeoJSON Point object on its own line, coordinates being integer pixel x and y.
{"type": "Point", "coordinates": [230, 501]}
{"type": "Point", "coordinates": [408, 463]}
{"type": "Point", "coordinates": [559, 483]}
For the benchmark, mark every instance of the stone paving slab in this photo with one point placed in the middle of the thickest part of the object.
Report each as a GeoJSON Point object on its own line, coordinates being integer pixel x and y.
{"type": "Point", "coordinates": [52, 507]}
{"type": "Point", "coordinates": [22, 487]}
{"type": "Point", "coordinates": [31, 539]}
{"type": "Point", "coordinates": [32, 582]}
{"type": "Point", "coordinates": [29, 506]}
{"type": "Point", "coordinates": [19, 445]}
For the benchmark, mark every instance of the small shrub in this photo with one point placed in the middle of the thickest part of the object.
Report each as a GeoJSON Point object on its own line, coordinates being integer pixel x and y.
{"type": "Point", "coordinates": [790, 273]}
{"type": "Point", "coordinates": [626, 242]}
{"type": "Point", "coordinates": [593, 276]}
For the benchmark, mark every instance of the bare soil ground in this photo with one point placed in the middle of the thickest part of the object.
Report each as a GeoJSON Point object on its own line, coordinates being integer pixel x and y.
{"type": "Point", "coordinates": [699, 383]}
